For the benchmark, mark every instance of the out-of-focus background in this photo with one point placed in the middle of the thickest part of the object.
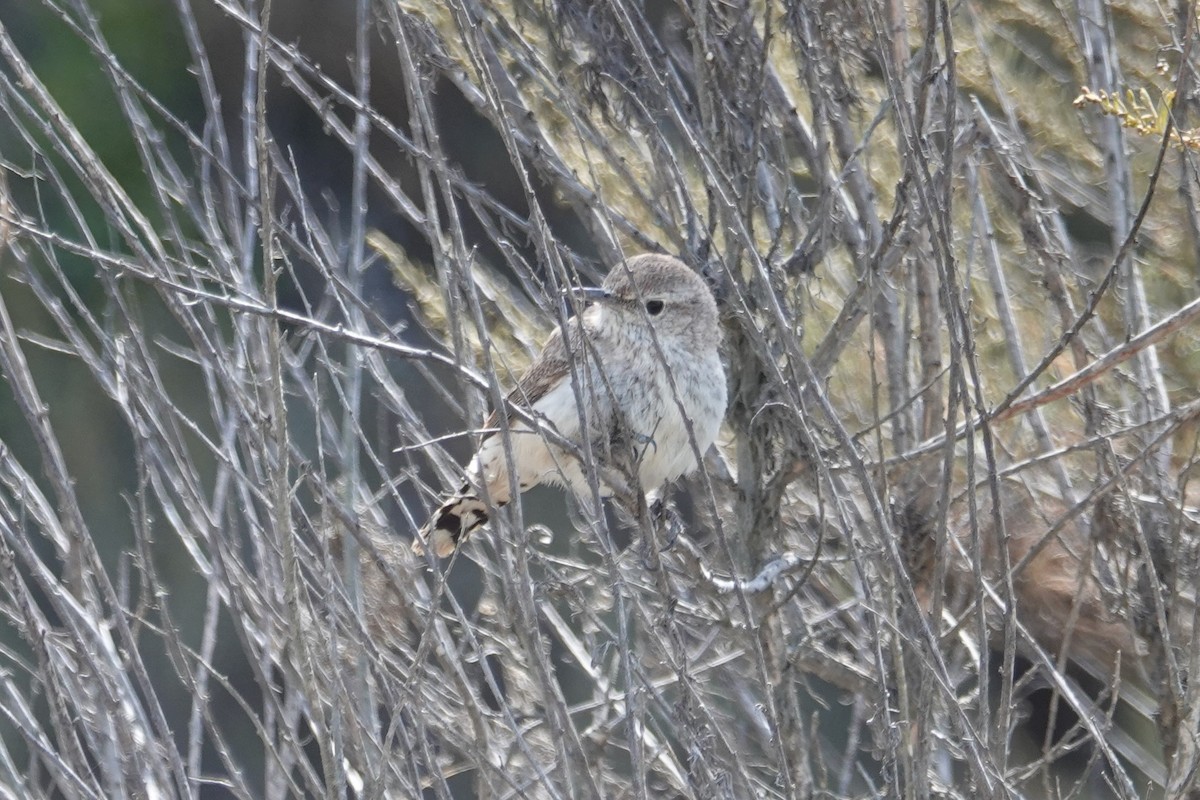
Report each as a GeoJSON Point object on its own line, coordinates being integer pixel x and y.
{"type": "Point", "coordinates": [920, 561]}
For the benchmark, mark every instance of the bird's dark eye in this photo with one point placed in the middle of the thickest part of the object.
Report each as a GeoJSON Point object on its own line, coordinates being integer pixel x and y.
{"type": "Point", "coordinates": [654, 307]}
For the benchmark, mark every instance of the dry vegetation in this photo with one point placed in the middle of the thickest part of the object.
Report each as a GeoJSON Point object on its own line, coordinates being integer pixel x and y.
{"type": "Point", "coordinates": [946, 546]}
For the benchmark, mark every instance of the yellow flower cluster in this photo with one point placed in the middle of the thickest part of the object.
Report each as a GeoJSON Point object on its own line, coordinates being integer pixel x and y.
{"type": "Point", "coordinates": [1138, 111]}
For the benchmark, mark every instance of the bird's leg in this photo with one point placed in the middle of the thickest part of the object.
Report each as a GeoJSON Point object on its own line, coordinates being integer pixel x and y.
{"type": "Point", "coordinates": [658, 508]}
{"type": "Point", "coordinates": [662, 518]}
{"type": "Point", "coordinates": [667, 519]}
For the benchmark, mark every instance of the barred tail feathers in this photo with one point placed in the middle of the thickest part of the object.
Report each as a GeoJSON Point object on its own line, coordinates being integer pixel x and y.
{"type": "Point", "coordinates": [465, 511]}
{"type": "Point", "coordinates": [454, 520]}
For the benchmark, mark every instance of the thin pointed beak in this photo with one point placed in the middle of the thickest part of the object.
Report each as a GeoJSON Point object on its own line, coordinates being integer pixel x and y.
{"type": "Point", "coordinates": [591, 294]}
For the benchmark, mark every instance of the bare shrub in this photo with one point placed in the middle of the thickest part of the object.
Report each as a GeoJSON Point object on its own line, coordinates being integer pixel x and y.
{"type": "Point", "coordinates": [945, 545]}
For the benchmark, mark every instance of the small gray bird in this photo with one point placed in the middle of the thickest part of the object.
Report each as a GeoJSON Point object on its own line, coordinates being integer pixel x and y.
{"type": "Point", "coordinates": [636, 394]}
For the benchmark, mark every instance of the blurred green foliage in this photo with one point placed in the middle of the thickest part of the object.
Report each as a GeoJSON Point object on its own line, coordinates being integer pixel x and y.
{"type": "Point", "coordinates": [146, 38]}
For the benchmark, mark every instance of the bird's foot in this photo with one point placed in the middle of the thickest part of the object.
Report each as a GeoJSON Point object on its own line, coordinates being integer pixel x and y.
{"type": "Point", "coordinates": [645, 440]}
{"type": "Point", "coordinates": [665, 518]}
